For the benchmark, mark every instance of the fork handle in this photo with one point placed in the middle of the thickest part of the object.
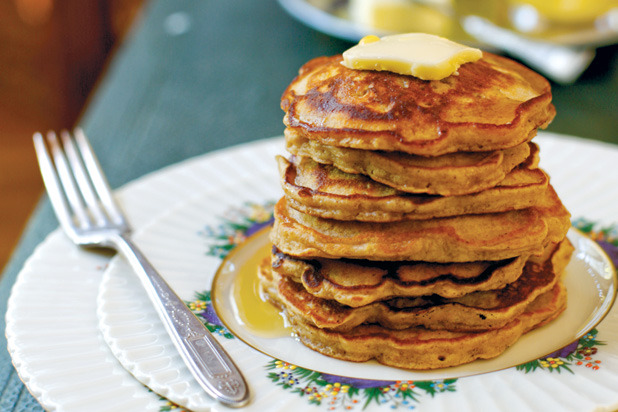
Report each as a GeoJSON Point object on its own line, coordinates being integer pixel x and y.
{"type": "Point", "coordinates": [207, 360]}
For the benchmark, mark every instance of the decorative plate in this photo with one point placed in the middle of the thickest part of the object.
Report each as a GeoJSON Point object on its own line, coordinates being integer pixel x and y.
{"type": "Point", "coordinates": [184, 252]}
{"type": "Point", "coordinates": [59, 352]}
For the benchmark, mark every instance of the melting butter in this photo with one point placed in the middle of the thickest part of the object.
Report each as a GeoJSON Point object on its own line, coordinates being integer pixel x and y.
{"type": "Point", "coordinates": [421, 55]}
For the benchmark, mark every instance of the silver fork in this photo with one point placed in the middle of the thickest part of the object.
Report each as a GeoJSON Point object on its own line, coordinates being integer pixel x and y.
{"type": "Point", "coordinates": [82, 200]}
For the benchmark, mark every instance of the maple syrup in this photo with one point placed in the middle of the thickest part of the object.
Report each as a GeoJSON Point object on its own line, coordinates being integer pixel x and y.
{"type": "Point", "coordinates": [251, 308]}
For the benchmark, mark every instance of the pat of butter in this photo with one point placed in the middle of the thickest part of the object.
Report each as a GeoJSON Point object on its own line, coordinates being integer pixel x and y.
{"type": "Point", "coordinates": [421, 55]}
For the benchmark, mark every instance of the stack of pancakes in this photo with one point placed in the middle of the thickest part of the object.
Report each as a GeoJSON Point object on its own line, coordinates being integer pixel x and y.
{"type": "Point", "coordinates": [416, 227]}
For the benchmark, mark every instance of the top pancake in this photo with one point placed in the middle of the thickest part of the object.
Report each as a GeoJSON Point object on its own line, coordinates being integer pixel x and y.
{"type": "Point", "coordinates": [492, 104]}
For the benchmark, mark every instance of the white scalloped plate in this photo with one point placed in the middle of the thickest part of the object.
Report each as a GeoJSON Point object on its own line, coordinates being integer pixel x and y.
{"type": "Point", "coordinates": [51, 324]}
{"type": "Point", "coordinates": [54, 297]}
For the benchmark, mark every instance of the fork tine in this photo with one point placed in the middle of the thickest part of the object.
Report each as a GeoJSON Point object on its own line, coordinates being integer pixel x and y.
{"type": "Point", "coordinates": [68, 182]}
{"type": "Point", "coordinates": [98, 179]}
{"type": "Point", "coordinates": [52, 183]}
{"type": "Point", "coordinates": [82, 179]}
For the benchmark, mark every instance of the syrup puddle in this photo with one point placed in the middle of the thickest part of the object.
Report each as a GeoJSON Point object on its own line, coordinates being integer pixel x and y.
{"type": "Point", "coordinates": [250, 308]}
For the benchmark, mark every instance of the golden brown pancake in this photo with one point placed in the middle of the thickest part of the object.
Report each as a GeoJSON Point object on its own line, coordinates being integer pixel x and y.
{"type": "Point", "coordinates": [492, 104]}
{"type": "Point", "coordinates": [325, 191]}
{"type": "Point", "coordinates": [416, 228]}
{"type": "Point", "coordinates": [448, 175]}
{"type": "Point", "coordinates": [360, 282]}
{"type": "Point", "coordinates": [475, 311]}
{"type": "Point", "coordinates": [422, 348]}
{"type": "Point", "coordinates": [466, 238]}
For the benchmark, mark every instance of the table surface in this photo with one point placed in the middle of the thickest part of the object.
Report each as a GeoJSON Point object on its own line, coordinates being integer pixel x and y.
{"type": "Point", "coordinates": [198, 76]}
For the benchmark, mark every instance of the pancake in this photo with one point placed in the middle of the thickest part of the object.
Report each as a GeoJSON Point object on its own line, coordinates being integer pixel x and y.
{"type": "Point", "coordinates": [360, 282]}
{"type": "Point", "coordinates": [416, 227]}
{"type": "Point", "coordinates": [492, 104]}
{"type": "Point", "coordinates": [419, 347]}
{"type": "Point", "coordinates": [325, 191]}
{"type": "Point", "coordinates": [467, 238]}
{"type": "Point", "coordinates": [448, 175]}
{"type": "Point", "coordinates": [475, 311]}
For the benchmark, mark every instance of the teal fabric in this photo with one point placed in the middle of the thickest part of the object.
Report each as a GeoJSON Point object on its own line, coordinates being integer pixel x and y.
{"type": "Point", "coordinates": [195, 76]}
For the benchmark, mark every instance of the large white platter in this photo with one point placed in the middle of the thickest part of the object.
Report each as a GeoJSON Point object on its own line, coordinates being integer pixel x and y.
{"type": "Point", "coordinates": [60, 353]}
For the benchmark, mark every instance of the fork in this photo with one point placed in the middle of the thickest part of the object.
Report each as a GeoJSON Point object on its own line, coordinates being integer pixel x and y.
{"type": "Point", "coordinates": [82, 200]}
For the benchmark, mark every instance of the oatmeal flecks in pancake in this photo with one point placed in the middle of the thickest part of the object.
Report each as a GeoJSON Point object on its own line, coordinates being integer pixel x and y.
{"type": "Point", "coordinates": [453, 239]}
{"type": "Point", "coordinates": [492, 104]}
{"type": "Point", "coordinates": [451, 174]}
{"type": "Point", "coordinates": [325, 191]}
{"type": "Point", "coordinates": [475, 311]}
